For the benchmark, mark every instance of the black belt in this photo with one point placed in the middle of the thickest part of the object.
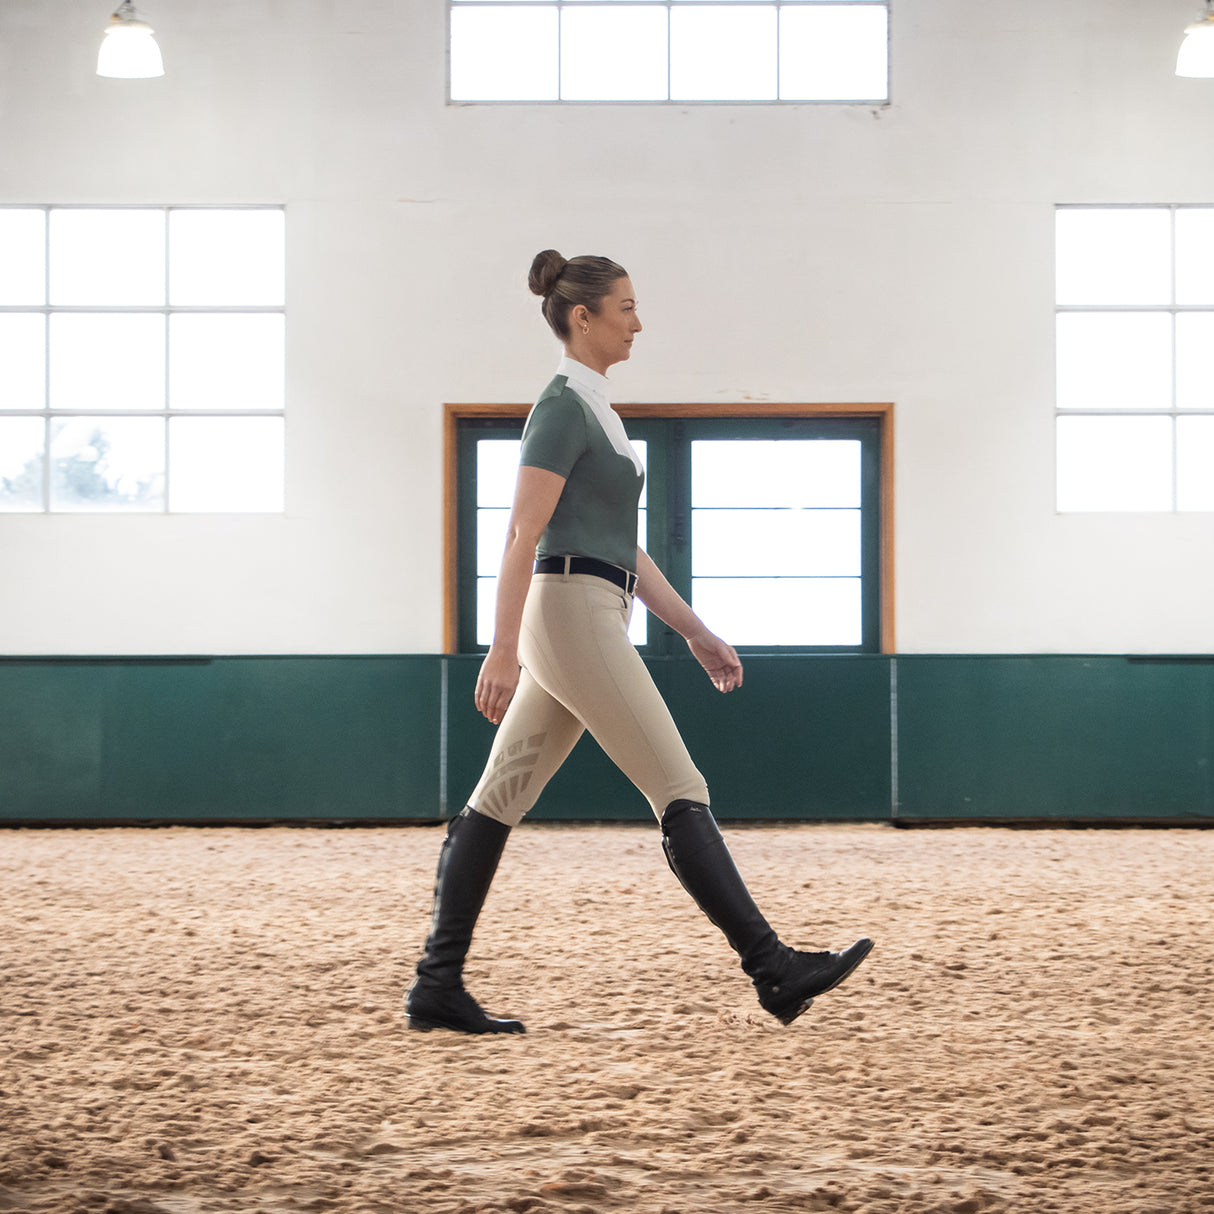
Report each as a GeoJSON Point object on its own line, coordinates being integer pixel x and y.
{"type": "Point", "coordinates": [626, 581]}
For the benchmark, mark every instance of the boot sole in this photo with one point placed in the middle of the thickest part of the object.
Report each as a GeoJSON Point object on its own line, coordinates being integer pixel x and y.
{"type": "Point", "coordinates": [789, 1017]}
{"type": "Point", "coordinates": [419, 1024]}
{"type": "Point", "coordinates": [805, 1005]}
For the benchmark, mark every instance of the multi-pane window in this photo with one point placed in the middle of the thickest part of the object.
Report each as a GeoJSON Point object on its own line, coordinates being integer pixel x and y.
{"type": "Point", "coordinates": [769, 528]}
{"type": "Point", "coordinates": [669, 50]}
{"type": "Point", "coordinates": [141, 359]}
{"type": "Point", "coordinates": [1135, 358]}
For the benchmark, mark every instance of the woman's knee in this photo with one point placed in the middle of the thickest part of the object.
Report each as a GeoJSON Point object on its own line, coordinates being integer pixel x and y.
{"type": "Point", "coordinates": [692, 787]}
{"type": "Point", "coordinates": [507, 815]}
{"type": "Point", "coordinates": [510, 786]}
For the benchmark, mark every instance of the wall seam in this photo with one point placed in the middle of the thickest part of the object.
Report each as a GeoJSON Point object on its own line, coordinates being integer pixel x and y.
{"type": "Point", "coordinates": [442, 738]}
{"type": "Point", "coordinates": [893, 738]}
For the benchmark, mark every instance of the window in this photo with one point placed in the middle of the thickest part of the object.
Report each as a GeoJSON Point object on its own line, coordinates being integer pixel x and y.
{"type": "Point", "coordinates": [1135, 358]}
{"type": "Point", "coordinates": [770, 527]}
{"type": "Point", "coordinates": [141, 359]}
{"type": "Point", "coordinates": [669, 50]}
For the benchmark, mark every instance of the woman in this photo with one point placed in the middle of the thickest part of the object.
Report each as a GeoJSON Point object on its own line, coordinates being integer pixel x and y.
{"type": "Point", "coordinates": [561, 662]}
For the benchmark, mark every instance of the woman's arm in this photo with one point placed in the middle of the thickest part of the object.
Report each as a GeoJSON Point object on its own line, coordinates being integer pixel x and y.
{"type": "Point", "coordinates": [720, 661]}
{"type": "Point", "coordinates": [535, 497]}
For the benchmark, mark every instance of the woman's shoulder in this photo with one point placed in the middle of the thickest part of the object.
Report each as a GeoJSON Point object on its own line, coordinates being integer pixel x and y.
{"type": "Point", "coordinates": [560, 391]}
{"type": "Point", "coordinates": [558, 405]}
{"type": "Point", "coordinates": [556, 433]}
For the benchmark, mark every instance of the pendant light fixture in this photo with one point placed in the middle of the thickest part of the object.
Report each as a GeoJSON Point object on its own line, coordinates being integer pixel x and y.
{"type": "Point", "coordinates": [128, 50]}
{"type": "Point", "coordinates": [1196, 57]}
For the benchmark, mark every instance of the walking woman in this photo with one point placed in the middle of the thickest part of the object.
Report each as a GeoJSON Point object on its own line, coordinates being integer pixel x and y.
{"type": "Point", "coordinates": [561, 662]}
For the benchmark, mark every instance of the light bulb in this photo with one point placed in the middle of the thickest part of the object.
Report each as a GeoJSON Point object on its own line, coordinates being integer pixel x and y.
{"type": "Point", "coordinates": [128, 50]}
{"type": "Point", "coordinates": [1196, 57]}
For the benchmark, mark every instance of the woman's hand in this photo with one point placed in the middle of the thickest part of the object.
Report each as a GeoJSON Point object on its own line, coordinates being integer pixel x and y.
{"type": "Point", "coordinates": [720, 661]}
{"type": "Point", "coordinates": [496, 683]}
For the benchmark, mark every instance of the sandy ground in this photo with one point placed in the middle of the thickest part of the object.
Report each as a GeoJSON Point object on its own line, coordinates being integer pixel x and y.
{"type": "Point", "coordinates": [210, 1020]}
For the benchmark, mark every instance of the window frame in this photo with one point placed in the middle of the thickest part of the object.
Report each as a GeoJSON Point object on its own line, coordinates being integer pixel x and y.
{"type": "Point", "coordinates": [459, 559]}
{"type": "Point", "coordinates": [1174, 412]}
{"type": "Point", "coordinates": [871, 102]}
{"type": "Point", "coordinates": [47, 310]}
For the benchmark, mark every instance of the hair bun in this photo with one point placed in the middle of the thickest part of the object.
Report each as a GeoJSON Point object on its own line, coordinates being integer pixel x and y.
{"type": "Point", "coordinates": [545, 270]}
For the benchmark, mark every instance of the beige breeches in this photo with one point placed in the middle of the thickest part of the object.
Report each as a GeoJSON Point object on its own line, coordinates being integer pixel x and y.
{"type": "Point", "coordinates": [580, 671]}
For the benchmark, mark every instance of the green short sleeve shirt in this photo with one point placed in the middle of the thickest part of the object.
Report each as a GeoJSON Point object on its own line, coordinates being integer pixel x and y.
{"type": "Point", "coordinates": [597, 512]}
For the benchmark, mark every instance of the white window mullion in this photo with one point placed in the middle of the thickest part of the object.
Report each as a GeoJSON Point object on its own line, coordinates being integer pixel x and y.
{"type": "Point", "coordinates": [776, 52]}
{"type": "Point", "coordinates": [46, 378]}
{"type": "Point", "coordinates": [1175, 424]}
{"type": "Point", "coordinates": [46, 462]}
{"type": "Point", "coordinates": [168, 479]}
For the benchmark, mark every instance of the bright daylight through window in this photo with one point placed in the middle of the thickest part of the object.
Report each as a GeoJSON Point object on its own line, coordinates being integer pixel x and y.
{"type": "Point", "coordinates": [669, 50]}
{"type": "Point", "coordinates": [141, 359]}
{"type": "Point", "coordinates": [1135, 358]}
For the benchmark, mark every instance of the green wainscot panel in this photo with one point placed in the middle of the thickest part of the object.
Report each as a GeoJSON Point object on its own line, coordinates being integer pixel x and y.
{"type": "Point", "coordinates": [350, 737]}
{"type": "Point", "coordinates": [804, 737]}
{"type": "Point", "coordinates": [1055, 737]}
{"type": "Point", "coordinates": [219, 739]}
{"type": "Point", "coordinates": [52, 737]}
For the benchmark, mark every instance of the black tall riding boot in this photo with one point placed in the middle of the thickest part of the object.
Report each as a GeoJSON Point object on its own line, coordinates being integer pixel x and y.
{"type": "Point", "coordinates": [466, 864]}
{"type": "Point", "coordinates": [786, 980]}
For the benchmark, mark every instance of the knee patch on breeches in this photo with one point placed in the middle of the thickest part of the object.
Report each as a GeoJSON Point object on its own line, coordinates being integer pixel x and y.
{"type": "Point", "coordinates": [507, 791]}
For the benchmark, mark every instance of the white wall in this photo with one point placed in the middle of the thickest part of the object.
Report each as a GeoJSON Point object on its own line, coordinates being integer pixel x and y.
{"type": "Point", "coordinates": [797, 253]}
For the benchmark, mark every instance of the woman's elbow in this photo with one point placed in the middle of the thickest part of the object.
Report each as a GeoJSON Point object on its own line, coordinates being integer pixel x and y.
{"type": "Point", "coordinates": [522, 541]}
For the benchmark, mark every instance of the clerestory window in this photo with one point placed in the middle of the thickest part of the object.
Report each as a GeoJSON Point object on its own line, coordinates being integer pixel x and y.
{"type": "Point", "coordinates": [672, 51]}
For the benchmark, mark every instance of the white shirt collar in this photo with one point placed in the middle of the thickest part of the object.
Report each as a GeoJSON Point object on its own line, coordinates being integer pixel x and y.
{"type": "Point", "coordinates": [581, 376]}
{"type": "Point", "coordinates": [594, 389]}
